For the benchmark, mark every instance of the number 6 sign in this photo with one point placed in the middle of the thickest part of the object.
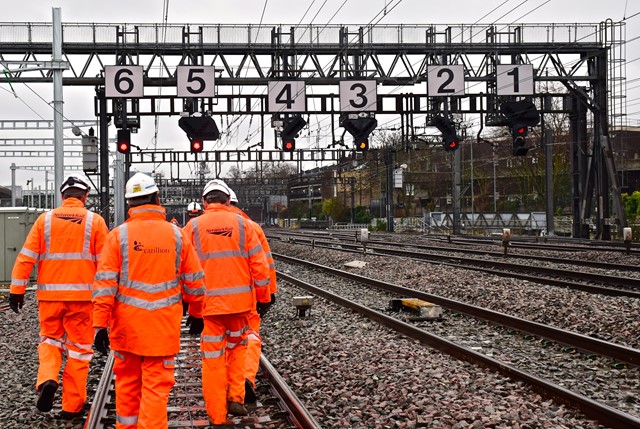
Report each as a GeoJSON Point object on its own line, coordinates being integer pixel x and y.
{"type": "Point", "coordinates": [123, 82]}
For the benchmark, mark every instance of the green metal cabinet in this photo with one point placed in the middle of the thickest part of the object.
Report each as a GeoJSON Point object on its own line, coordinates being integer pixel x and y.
{"type": "Point", "coordinates": [15, 224]}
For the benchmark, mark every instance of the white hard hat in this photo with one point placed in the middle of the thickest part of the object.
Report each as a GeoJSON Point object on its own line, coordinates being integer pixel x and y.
{"type": "Point", "coordinates": [216, 185]}
{"type": "Point", "coordinates": [194, 207]}
{"type": "Point", "coordinates": [140, 185]}
{"type": "Point", "coordinates": [233, 197]}
{"type": "Point", "coordinates": [74, 181]}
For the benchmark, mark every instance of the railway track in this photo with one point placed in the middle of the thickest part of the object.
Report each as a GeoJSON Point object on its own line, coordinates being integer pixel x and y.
{"type": "Point", "coordinates": [588, 281]}
{"type": "Point", "coordinates": [605, 414]}
{"type": "Point", "coordinates": [277, 406]}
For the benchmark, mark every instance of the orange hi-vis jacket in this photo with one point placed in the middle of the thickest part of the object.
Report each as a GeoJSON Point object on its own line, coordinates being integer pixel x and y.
{"type": "Point", "coordinates": [235, 266]}
{"type": "Point", "coordinates": [273, 288]}
{"type": "Point", "coordinates": [65, 243]}
{"type": "Point", "coordinates": [148, 266]}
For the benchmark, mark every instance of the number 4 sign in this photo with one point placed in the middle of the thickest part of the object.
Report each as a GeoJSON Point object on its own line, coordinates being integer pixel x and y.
{"type": "Point", "coordinates": [514, 79]}
{"type": "Point", "coordinates": [287, 96]}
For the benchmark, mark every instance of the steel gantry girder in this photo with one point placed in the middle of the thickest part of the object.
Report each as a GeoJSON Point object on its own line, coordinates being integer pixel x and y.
{"type": "Point", "coordinates": [251, 55]}
{"type": "Point", "coordinates": [578, 56]}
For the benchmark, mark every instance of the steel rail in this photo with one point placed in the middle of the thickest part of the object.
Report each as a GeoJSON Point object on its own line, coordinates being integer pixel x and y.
{"type": "Point", "coordinates": [298, 415]}
{"type": "Point", "coordinates": [579, 341]}
{"type": "Point", "coordinates": [102, 396]}
{"type": "Point", "coordinates": [301, 417]}
{"type": "Point", "coordinates": [606, 415]}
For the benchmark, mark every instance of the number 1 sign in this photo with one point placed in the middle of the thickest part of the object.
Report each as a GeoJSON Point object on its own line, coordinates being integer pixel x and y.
{"type": "Point", "coordinates": [514, 79]}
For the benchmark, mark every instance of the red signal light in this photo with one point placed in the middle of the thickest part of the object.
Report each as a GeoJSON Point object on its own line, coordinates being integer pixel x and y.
{"type": "Point", "coordinates": [289, 145]}
{"type": "Point", "coordinates": [196, 146]}
{"type": "Point", "coordinates": [124, 141]}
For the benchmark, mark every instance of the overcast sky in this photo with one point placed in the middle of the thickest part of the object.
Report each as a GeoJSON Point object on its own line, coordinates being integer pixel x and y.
{"type": "Point", "coordinates": [79, 101]}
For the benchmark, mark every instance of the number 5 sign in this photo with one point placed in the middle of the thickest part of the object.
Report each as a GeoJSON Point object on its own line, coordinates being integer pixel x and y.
{"type": "Point", "coordinates": [514, 79]}
{"type": "Point", "coordinates": [123, 82]}
{"type": "Point", "coordinates": [195, 81]}
{"type": "Point", "coordinates": [286, 96]}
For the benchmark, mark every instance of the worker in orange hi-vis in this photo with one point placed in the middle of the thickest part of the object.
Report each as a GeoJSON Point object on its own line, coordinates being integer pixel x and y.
{"type": "Point", "coordinates": [65, 243]}
{"type": "Point", "coordinates": [254, 341]}
{"type": "Point", "coordinates": [194, 210]}
{"type": "Point", "coordinates": [148, 267]}
{"type": "Point", "coordinates": [237, 274]}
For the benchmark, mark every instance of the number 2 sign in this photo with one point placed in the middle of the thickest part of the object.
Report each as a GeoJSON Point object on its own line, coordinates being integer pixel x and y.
{"type": "Point", "coordinates": [445, 81]}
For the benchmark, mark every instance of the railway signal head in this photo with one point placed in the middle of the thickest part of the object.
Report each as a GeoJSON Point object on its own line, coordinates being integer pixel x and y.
{"type": "Point", "coordinates": [520, 116]}
{"type": "Point", "coordinates": [360, 128]}
{"type": "Point", "coordinates": [290, 129]}
{"type": "Point", "coordinates": [199, 129]}
{"type": "Point", "coordinates": [518, 132]}
{"type": "Point", "coordinates": [450, 139]}
{"type": "Point", "coordinates": [124, 141]}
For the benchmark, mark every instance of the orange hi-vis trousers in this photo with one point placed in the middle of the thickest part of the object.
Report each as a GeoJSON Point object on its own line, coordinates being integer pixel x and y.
{"type": "Point", "coordinates": [223, 345]}
{"type": "Point", "coordinates": [254, 348]}
{"type": "Point", "coordinates": [66, 328]}
{"type": "Point", "coordinates": [143, 384]}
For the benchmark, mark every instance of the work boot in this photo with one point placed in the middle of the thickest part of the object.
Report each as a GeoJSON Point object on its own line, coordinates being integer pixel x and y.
{"type": "Point", "coordinates": [249, 392]}
{"type": "Point", "coordinates": [47, 393]}
{"type": "Point", "coordinates": [237, 409]}
{"type": "Point", "coordinates": [67, 415]}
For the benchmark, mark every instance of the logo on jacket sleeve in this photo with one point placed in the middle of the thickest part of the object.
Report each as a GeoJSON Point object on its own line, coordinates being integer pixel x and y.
{"type": "Point", "coordinates": [224, 232]}
{"type": "Point", "coordinates": [139, 247]}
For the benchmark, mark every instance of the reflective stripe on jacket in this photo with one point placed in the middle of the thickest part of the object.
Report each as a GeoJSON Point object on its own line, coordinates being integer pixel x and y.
{"type": "Point", "coordinates": [273, 288]}
{"type": "Point", "coordinates": [66, 244]}
{"type": "Point", "coordinates": [137, 289]}
{"type": "Point", "coordinates": [234, 263]}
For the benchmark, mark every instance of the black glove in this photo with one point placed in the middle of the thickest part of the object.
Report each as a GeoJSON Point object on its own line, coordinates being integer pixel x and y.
{"type": "Point", "coordinates": [262, 307]}
{"type": "Point", "coordinates": [196, 325]}
{"type": "Point", "coordinates": [16, 301]}
{"type": "Point", "coordinates": [185, 308]}
{"type": "Point", "coordinates": [101, 341]}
